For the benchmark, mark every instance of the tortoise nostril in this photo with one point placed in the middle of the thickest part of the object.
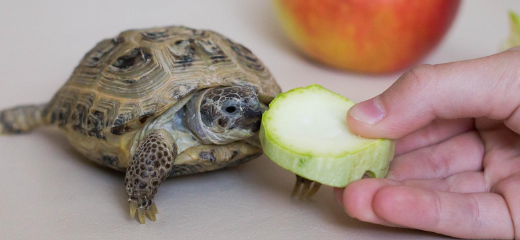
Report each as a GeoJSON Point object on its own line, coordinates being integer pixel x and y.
{"type": "Point", "coordinates": [231, 109]}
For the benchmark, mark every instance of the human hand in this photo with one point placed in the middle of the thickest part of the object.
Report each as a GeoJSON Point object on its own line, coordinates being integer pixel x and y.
{"type": "Point", "coordinates": [457, 165]}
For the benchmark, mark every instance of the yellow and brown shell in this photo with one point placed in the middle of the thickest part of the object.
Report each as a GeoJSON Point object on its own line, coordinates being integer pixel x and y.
{"type": "Point", "coordinates": [126, 81]}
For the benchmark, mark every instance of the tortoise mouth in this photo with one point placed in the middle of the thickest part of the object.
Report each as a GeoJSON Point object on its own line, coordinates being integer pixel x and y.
{"type": "Point", "coordinates": [257, 120]}
{"type": "Point", "coordinates": [256, 126]}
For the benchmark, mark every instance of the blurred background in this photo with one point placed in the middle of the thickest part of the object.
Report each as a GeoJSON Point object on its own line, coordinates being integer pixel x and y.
{"type": "Point", "coordinates": [49, 38]}
{"type": "Point", "coordinates": [50, 191]}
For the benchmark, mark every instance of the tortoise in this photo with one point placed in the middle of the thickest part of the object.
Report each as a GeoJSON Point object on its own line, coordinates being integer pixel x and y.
{"type": "Point", "coordinates": [157, 103]}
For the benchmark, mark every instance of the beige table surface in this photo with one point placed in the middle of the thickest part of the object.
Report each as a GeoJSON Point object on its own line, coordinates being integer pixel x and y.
{"type": "Point", "coordinates": [48, 191]}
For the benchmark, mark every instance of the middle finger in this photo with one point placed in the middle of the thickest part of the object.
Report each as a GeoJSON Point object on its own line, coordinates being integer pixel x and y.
{"type": "Point", "coordinates": [458, 154]}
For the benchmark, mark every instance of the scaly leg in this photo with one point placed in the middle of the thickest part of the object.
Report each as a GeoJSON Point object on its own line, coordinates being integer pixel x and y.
{"type": "Point", "coordinates": [149, 167]}
{"type": "Point", "coordinates": [307, 190]}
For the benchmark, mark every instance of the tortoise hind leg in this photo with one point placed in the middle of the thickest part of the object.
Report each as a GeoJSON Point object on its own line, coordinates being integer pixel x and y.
{"type": "Point", "coordinates": [149, 167]}
{"type": "Point", "coordinates": [22, 119]}
{"type": "Point", "coordinates": [307, 191]}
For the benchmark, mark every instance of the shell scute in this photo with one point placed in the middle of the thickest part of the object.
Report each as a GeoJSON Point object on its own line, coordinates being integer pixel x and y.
{"type": "Point", "coordinates": [126, 81]}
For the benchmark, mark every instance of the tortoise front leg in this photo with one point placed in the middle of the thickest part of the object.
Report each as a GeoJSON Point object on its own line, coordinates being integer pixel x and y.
{"type": "Point", "coordinates": [149, 167]}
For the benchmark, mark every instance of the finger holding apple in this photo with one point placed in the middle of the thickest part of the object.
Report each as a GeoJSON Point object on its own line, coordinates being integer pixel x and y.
{"type": "Point", "coordinates": [376, 36]}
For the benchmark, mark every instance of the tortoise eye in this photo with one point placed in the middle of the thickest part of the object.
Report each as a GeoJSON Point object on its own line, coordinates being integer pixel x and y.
{"type": "Point", "coordinates": [133, 59]}
{"type": "Point", "coordinates": [231, 109]}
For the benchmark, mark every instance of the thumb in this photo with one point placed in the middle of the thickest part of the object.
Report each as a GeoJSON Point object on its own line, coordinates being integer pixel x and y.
{"type": "Point", "coordinates": [485, 87]}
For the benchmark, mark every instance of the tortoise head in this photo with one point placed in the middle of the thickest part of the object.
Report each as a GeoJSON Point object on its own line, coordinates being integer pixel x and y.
{"type": "Point", "coordinates": [225, 114]}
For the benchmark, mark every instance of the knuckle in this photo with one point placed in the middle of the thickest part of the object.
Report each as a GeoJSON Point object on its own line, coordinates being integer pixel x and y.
{"type": "Point", "coordinates": [431, 133]}
{"type": "Point", "coordinates": [474, 208]}
{"type": "Point", "coordinates": [508, 70]}
{"type": "Point", "coordinates": [509, 188]}
{"type": "Point", "coordinates": [513, 123]}
{"type": "Point", "coordinates": [509, 184]}
{"type": "Point", "coordinates": [420, 77]}
{"type": "Point", "coordinates": [438, 210]}
{"type": "Point", "coordinates": [439, 161]}
{"type": "Point", "coordinates": [513, 120]}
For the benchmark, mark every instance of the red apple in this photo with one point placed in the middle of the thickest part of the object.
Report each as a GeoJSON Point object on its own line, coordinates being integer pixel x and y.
{"type": "Point", "coordinates": [374, 36]}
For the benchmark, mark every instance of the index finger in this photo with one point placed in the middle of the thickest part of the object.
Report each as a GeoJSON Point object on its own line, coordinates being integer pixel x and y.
{"type": "Point", "coordinates": [485, 87]}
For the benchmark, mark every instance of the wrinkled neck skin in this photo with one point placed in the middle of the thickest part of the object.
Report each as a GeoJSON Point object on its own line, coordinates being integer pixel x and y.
{"type": "Point", "coordinates": [184, 122]}
{"type": "Point", "coordinates": [217, 134]}
{"type": "Point", "coordinates": [172, 121]}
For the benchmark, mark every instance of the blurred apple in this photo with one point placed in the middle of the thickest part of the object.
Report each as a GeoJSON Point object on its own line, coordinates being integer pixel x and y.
{"type": "Point", "coordinates": [373, 36]}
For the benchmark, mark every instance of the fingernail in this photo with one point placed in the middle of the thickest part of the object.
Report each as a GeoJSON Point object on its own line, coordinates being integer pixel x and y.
{"type": "Point", "coordinates": [370, 111]}
{"type": "Point", "coordinates": [338, 196]}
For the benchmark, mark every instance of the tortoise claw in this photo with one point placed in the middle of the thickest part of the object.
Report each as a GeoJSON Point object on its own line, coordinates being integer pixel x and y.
{"type": "Point", "coordinates": [308, 190]}
{"type": "Point", "coordinates": [140, 215]}
{"type": "Point", "coordinates": [151, 215]}
{"type": "Point", "coordinates": [154, 208]}
{"type": "Point", "coordinates": [151, 211]}
{"type": "Point", "coordinates": [142, 212]}
{"type": "Point", "coordinates": [133, 208]}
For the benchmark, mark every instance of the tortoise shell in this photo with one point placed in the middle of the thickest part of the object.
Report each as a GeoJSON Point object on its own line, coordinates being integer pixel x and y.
{"type": "Point", "coordinates": [126, 81]}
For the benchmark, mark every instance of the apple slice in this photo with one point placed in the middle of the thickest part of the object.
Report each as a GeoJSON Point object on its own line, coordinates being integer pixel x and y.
{"type": "Point", "coordinates": [305, 131]}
